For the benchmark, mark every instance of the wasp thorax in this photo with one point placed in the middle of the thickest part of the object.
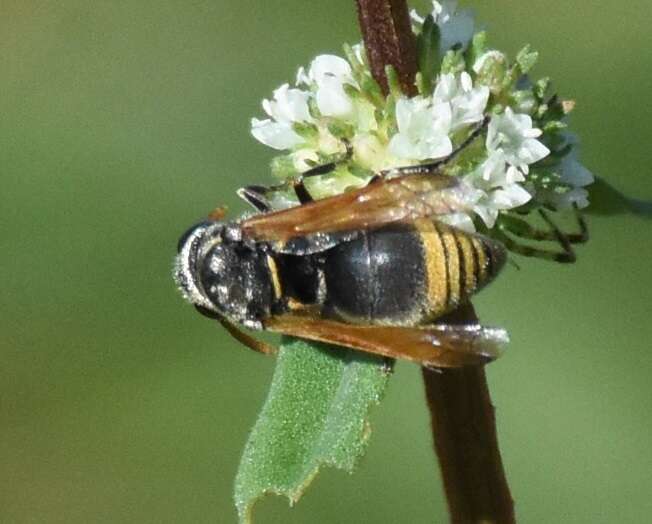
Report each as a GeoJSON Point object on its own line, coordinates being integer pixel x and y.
{"type": "Point", "coordinates": [221, 273]}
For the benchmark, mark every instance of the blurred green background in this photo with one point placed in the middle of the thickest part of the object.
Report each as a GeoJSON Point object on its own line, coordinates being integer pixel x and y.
{"type": "Point", "coordinates": [123, 122]}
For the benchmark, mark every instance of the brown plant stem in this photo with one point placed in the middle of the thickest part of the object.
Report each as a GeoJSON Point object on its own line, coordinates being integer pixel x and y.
{"type": "Point", "coordinates": [462, 415]}
{"type": "Point", "coordinates": [464, 433]}
{"type": "Point", "coordinates": [388, 39]}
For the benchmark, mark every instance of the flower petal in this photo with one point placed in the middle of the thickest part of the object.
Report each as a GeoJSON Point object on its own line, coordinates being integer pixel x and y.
{"type": "Point", "coordinates": [331, 98]}
{"type": "Point", "coordinates": [328, 66]}
{"type": "Point", "coordinates": [510, 197]}
{"type": "Point", "coordinates": [278, 135]}
{"type": "Point", "coordinates": [574, 173]}
{"type": "Point", "coordinates": [577, 196]}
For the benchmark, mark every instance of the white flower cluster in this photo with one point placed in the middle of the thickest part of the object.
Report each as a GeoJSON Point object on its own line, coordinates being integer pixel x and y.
{"type": "Point", "coordinates": [328, 112]}
{"type": "Point", "coordinates": [426, 124]}
{"type": "Point", "coordinates": [319, 99]}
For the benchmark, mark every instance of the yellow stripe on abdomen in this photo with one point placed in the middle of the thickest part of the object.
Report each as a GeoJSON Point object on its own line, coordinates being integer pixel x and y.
{"type": "Point", "coordinates": [436, 268]}
{"type": "Point", "coordinates": [453, 265]}
{"type": "Point", "coordinates": [468, 268]}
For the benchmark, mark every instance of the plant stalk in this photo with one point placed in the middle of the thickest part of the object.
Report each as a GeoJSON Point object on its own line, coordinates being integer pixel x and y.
{"type": "Point", "coordinates": [464, 434]}
{"type": "Point", "coordinates": [462, 415]}
{"type": "Point", "coordinates": [388, 39]}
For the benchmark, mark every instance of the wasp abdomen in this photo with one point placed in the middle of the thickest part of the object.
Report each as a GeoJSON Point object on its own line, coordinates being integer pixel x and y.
{"type": "Point", "coordinates": [458, 265]}
{"type": "Point", "coordinates": [377, 277]}
{"type": "Point", "coordinates": [408, 274]}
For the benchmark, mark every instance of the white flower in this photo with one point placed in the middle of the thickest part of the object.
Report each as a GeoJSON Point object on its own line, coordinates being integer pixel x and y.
{"type": "Point", "coordinates": [575, 175]}
{"type": "Point", "coordinates": [475, 195]}
{"type": "Point", "coordinates": [512, 134]}
{"type": "Point", "coordinates": [278, 135]}
{"type": "Point", "coordinates": [499, 186]}
{"type": "Point", "coordinates": [323, 66]}
{"type": "Point", "coordinates": [509, 197]}
{"type": "Point", "coordinates": [573, 172]}
{"type": "Point", "coordinates": [495, 171]}
{"type": "Point", "coordinates": [287, 107]}
{"type": "Point", "coordinates": [577, 196]}
{"type": "Point", "coordinates": [329, 73]}
{"type": "Point", "coordinates": [467, 103]}
{"type": "Point", "coordinates": [423, 130]}
{"type": "Point", "coordinates": [455, 27]}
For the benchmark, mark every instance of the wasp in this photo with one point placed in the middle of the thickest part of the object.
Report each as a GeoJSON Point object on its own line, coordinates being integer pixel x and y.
{"type": "Point", "coordinates": [371, 269]}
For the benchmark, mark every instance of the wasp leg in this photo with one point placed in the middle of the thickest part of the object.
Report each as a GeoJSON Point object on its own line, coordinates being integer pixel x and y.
{"type": "Point", "coordinates": [559, 236]}
{"type": "Point", "coordinates": [252, 343]}
{"type": "Point", "coordinates": [583, 235]}
{"type": "Point", "coordinates": [256, 197]}
{"type": "Point", "coordinates": [299, 187]}
{"type": "Point", "coordinates": [521, 228]}
{"type": "Point", "coordinates": [302, 192]}
{"type": "Point", "coordinates": [435, 166]}
{"type": "Point", "coordinates": [566, 256]}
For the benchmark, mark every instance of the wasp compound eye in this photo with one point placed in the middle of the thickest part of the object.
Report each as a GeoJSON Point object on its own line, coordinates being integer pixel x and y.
{"type": "Point", "coordinates": [186, 235]}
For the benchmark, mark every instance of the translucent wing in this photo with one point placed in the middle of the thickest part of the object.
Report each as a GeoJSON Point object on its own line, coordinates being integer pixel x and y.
{"type": "Point", "coordinates": [381, 202]}
{"type": "Point", "coordinates": [439, 346]}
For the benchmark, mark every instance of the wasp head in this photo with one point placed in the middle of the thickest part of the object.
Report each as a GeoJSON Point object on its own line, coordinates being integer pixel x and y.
{"type": "Point", "coordinates": [221, 274]}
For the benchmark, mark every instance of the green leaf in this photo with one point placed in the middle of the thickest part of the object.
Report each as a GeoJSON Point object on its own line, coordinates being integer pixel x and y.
{"type": "Point", "coordinates": [393, 82]}
{"type": "Point", "coordinates": [341, 129]}
{"type": "Point", "coordinates": [282, 167]}
{"type": "Point", "coordinates": [358, 66]}
{"type": "Point", "coordinates": [526, 59]}
{"type": "Point", "coordinates": [541, 87]}
{"type": "Point", "coordinates": [428, 53]}
{"type": "Point", "coordinates": [477, 48]}
{"type": "Point", "coordinates": [554, 126]}
{"type": "Point", "coordinates": [315, 414]}
{"type": "Point", "coordinates": [453, 62]}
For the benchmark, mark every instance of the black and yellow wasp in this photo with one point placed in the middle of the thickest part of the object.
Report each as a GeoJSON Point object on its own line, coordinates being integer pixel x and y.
{"type": "Point", "coordinates": [371, 269]}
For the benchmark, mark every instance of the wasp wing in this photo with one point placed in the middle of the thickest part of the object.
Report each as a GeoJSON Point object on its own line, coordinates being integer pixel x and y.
{"type": "Point", "coordinates": [438, 346]}
{"type": "Point", "coordinates": [383, 201]}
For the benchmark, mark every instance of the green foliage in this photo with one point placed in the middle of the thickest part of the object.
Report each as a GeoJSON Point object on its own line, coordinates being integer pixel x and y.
{"type": "Point", "coordinates": [476, 49]}
{"type": "Point", "coordinates": [315, 414]}
{"type": "Point", "coordinates": [453, 62]}
{"type": "Point", "coordinates": [526, 59]}
{"type": "Point", "coordinates": [393, 82]}
{"type": "Point", "coordinates": [428, 54]}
